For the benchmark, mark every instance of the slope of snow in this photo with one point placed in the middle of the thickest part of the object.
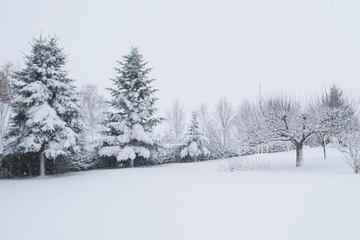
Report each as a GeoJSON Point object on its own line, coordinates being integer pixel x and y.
{"type": "Point", "coordinates": [189, 201]}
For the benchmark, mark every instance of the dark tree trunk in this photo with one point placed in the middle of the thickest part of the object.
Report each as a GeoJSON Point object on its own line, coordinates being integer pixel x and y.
{"type": "Point", "coordinates": [29, 167]}
{"type": "Point", "coordinates": [299, 154]}
{"type": "Point", "coordinates": [324, 148]}
{"type": "Point", "coordinates": [42, 164]}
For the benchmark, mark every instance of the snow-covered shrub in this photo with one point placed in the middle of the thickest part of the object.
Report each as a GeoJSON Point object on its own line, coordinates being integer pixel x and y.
{"type": "Point", "coordinates": [271, 147]}
{"type": "Point", "coordinates": [171, 153]}
{"type": "Point", "coordinates": [349, 145]}
{"type": "Point", "coordinates": [63, 164]}
{"type": "Point", "coordinates": [245, 164]}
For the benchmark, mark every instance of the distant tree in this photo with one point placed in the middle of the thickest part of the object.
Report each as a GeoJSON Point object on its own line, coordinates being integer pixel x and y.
{"type": "Point", "coordinates": [338, 110]}
{"type": "Point", "coordinates": [247, 120]}
{"type": "Point", "coordinates": [221, 138]}
{"type": "Point", "coordinates": [175, 118]}
{"type": "Point", "coordinates": [129, 127]}
{"type": "Point", "coordinates": [334, 98]}
{"type": "Point", "coordinates": [195, 142]}
{"type": "Point", "coordinates": [93, 107]}
{"type": "Point", "coordinates": [46, 121]}
{"type": "Point", "coordinates": [6, 97]}
{"type": "Point", "coordinates": [204, 117]}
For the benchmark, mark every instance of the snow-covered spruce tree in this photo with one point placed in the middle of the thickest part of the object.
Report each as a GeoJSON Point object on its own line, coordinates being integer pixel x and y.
{"type": "Point", "coordinates": [129, 126]}
{"type": "Point", "coordinates": [195, 142]}
{"type": "Point", "coordinates": [46, 116]}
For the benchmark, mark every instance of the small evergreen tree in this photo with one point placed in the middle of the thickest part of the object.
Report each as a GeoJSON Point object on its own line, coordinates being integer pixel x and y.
{"type": "Point", "coordinates": [46, 114]}
{"type": "Point", "coordinates": [129, 127]}
{"type": "Point", "coordinates": [195, 148]}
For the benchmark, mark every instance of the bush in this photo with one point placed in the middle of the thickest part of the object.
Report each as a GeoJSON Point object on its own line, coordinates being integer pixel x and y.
{"type": "Point", "coordinates": [246, 164]}
{"type": "Point", "coordinates": [349, 145]}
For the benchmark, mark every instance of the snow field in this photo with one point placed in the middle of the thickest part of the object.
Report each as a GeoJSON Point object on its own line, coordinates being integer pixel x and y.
{"type": "Point", "coordinates": [189, 201]}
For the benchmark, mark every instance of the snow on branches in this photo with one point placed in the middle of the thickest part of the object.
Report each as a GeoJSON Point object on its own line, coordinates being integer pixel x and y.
{"type": "Point", "coordinates": [129, 126]}
{"type": "Point", "coordinates": [280, 117]}
{"type": "Point", "coordinates": [195, 140]}
{"type": "Point", "coordinates": [46, 117]}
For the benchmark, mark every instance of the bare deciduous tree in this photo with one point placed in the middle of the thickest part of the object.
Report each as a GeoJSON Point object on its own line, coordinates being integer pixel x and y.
{"type": "Point", "coordinates": [281, 117]}
{"type": "Point", "coordinates": [175, 118]}
{"type": "Point", "coordinates": [348, 142]}
{"type": "Point", "coordinates": [6, 94]}
{"type": "Point", "coordinates": [93, 107]}
{"type": "Point", "coordinates": [221, 139]}
{"type": "Point", "coordinates": [204, 116]}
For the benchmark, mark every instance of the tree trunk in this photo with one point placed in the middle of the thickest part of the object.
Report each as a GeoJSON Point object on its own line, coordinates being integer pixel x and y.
{"type": "Point", "coordinates": [299, 155]}
{"type": "Point", "coordinates": [42, 164]}
{"type": "Point", "coordinates": [29, 167]}
{"type": "Point", "coordinates": [287, 146]}
{"type": "Point", "coordinates": [132, 163]}
{"type": "Point", "coordinates": [324, 148]}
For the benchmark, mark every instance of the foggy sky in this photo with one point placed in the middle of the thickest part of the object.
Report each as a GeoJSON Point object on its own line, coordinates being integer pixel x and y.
{"type": "Point", "coordinates": [199, 50]}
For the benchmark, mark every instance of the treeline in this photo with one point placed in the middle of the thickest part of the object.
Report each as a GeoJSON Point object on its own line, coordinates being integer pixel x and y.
{"type": "Point", "coordinates": [272, 122]}
{"type": "Point", "coordinates": [48, 126]}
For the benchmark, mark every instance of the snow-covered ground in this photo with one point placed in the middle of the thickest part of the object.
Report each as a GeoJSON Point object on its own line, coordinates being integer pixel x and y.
{"type": "Point", "coordinates": [188, 201]}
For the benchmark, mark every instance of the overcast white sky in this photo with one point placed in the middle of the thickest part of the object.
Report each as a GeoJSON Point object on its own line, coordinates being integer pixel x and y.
{"type": "Point", "coordinates": [199, 50]}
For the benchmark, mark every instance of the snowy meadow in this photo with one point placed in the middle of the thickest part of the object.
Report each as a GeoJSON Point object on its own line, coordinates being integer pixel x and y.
{"type": "Point", "coordinates": [188, 201]}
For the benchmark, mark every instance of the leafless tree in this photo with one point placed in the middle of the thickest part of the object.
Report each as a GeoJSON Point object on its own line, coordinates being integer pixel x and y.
{"type": "Point", "coordinates": [220, 130]}
{"type": "Point", "coordinates": [93, 107]}
{"type": "Point", "coordinates": [175, 118]}
{"type": "Point", "coordinates": [348, 142]}
{"type": "Point", "coordinates": [204, 116]}
{"type": "Point", "coordinates": [247, 123]}
{"type": "Point", "coordinates": [281, 117]}
{"type": "Point", "coordinates": [6, 97]}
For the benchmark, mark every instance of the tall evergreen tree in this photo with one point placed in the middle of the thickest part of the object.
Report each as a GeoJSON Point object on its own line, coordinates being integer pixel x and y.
{"type": "Point", "coordinates": [46, 114]}
{"type": "Point", "coordinates": [129, 127]}
{"type": "Point", "coordinates": [196, 141]}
